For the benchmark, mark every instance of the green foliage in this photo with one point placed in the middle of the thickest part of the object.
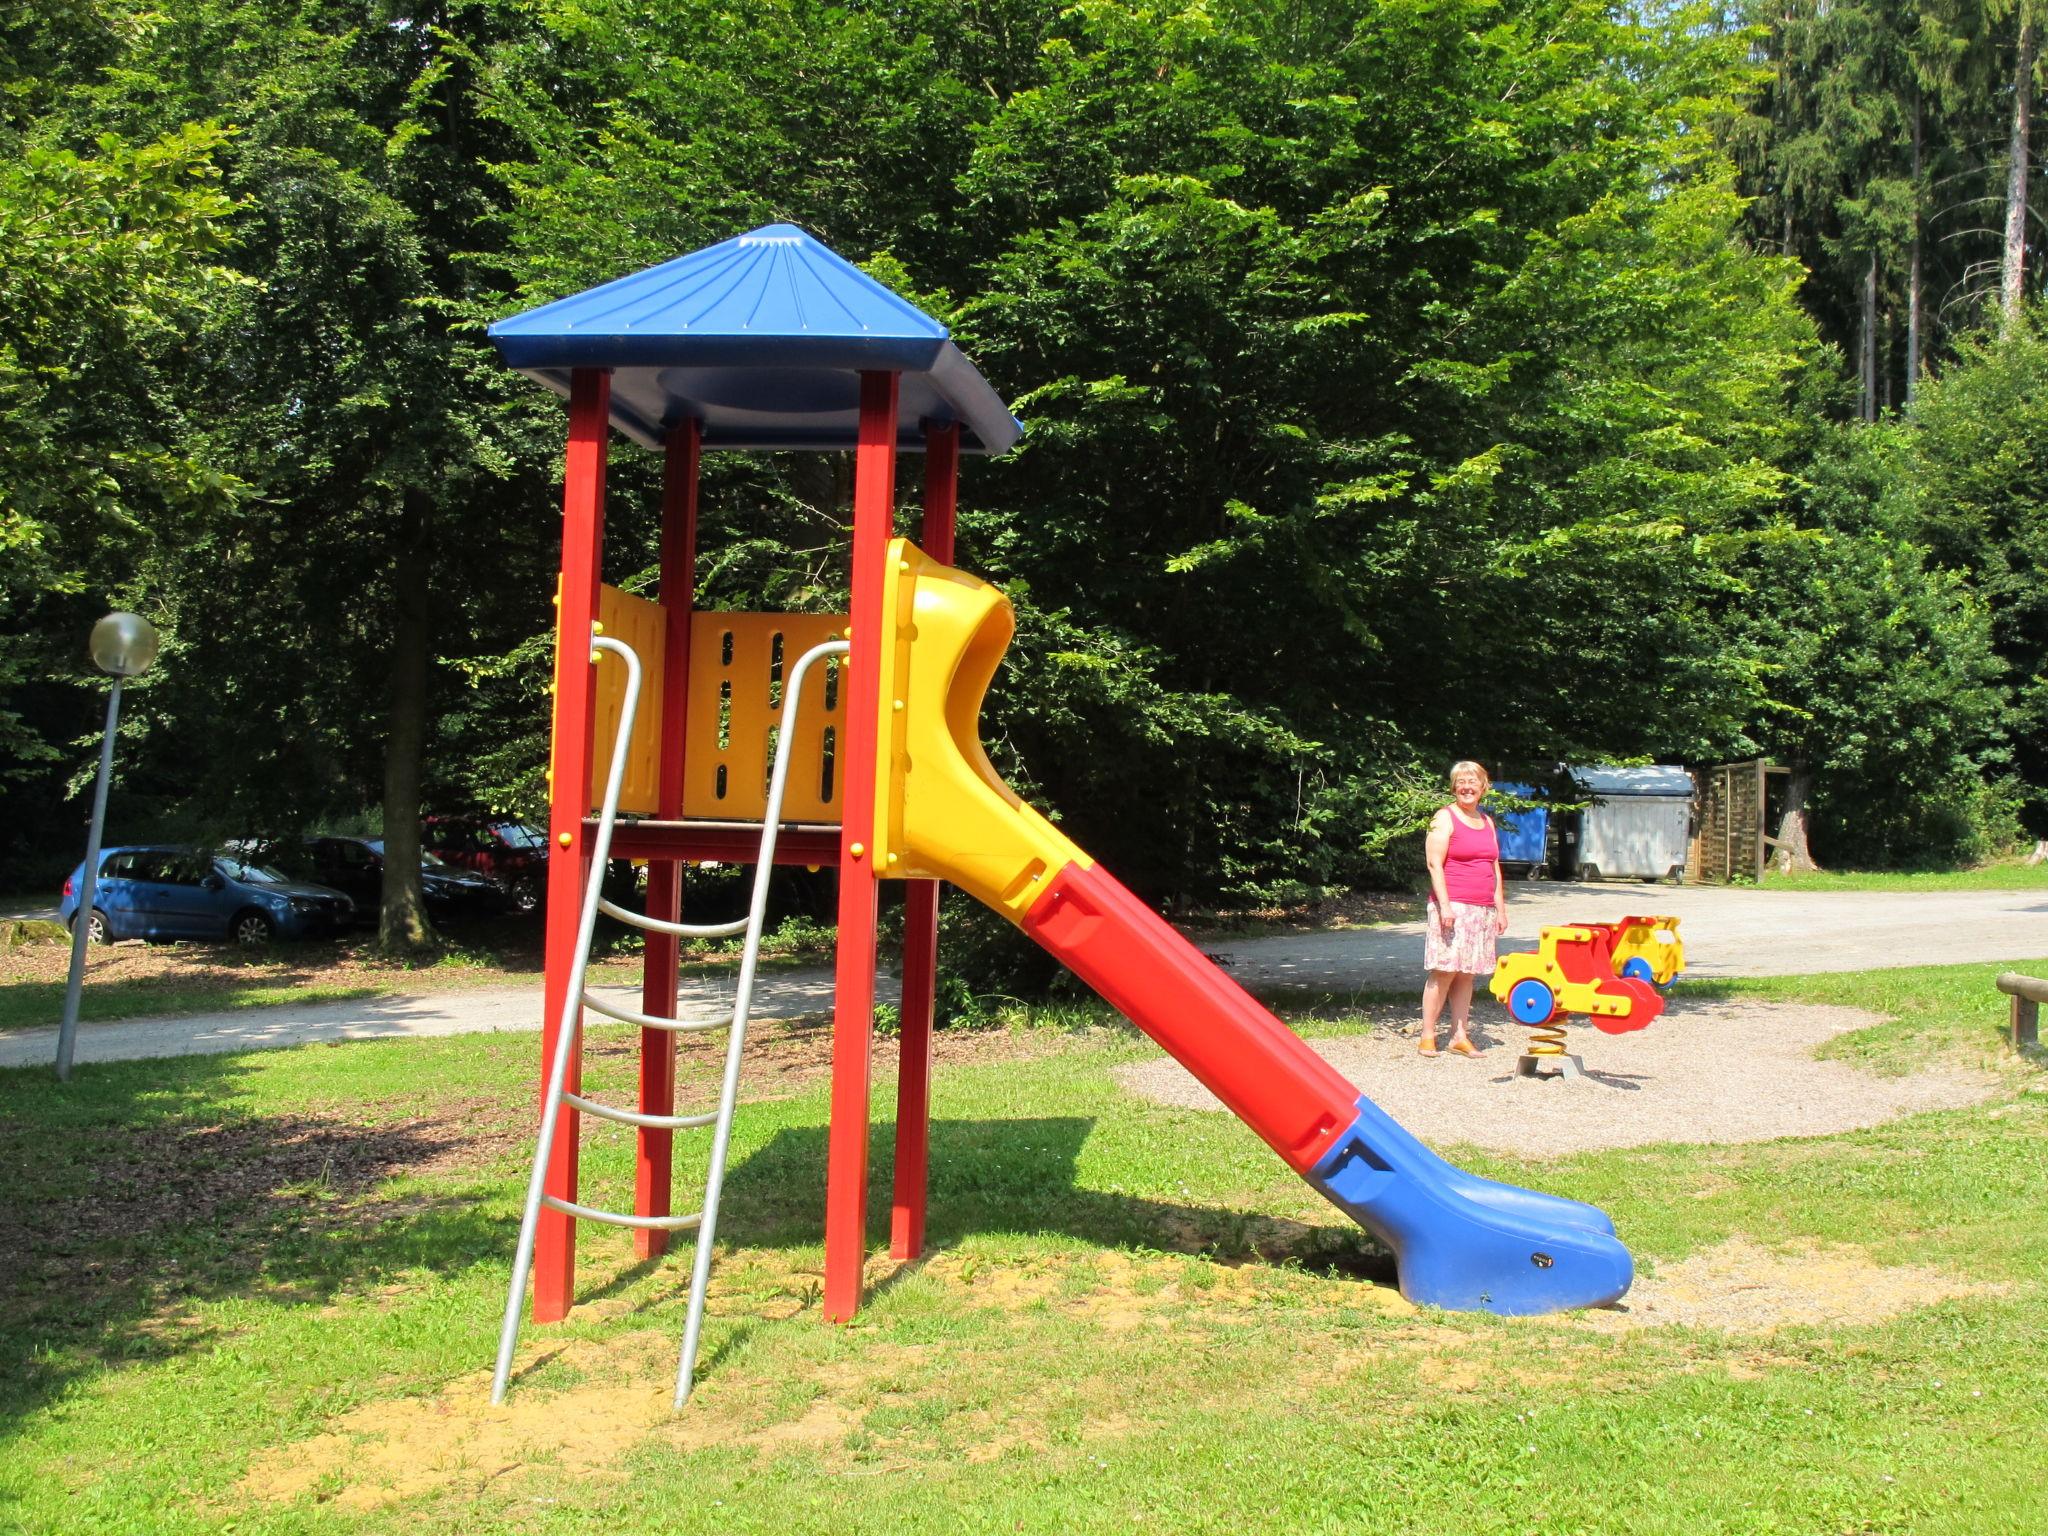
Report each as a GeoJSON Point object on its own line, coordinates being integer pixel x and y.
{"type": "Point", "coordinates": [113, 259]}
{"type": "Point", "coordinates": [1400, 387]}
{"type": "Point", "coordinates": [1879, 676]}
{"type": "Point", "coordinates": [1979, 445]}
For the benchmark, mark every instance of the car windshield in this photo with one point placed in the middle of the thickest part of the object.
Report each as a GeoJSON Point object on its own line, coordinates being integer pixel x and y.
{"type": "Point", "coordinates": [427, 860]}
{"type": "Point", "coordinates": [255, 874]}
{"type": "Point", "coordinates": [519, 835]}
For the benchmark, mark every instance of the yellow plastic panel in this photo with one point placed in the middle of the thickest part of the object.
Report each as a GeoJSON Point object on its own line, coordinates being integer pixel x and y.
{"type": "Point", "coordinates": [1655, 940]}
{"type": "Point", "coordinates": [941, 810]}
{"type": "Point", "coordinates": [738, 663]}
{"type": "Point", "coordinates": [642, 625]}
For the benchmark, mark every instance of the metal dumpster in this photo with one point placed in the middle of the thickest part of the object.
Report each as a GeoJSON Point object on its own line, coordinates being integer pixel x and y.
{"type": "Point", "coordinates": [1524, 835]}
{"type": "Point", "coordinates": [1639, 824]}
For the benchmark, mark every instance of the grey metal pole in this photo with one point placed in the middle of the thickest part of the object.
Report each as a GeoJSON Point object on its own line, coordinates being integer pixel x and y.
{"type": "Point", "coordinates": [81, 921]}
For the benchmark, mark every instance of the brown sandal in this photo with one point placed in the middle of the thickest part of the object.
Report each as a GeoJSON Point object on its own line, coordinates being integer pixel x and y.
{"type": "Point", "coordinates": [1428, 1050]}
{"type": "Point", "coordinates": [1466, 1048]}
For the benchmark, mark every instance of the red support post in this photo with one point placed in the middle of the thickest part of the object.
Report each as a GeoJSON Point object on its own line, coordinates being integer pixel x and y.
{"type": "Point", "coordinates": [853, 1013]}
{"type": "Point", "coordinates": [554, 1260]}
{"type": "Point", "coordinates": [921, 917]}
{"type": "Point", "coordinates": [665, 876]}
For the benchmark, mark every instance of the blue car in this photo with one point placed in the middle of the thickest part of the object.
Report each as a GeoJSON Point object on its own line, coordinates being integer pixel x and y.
{"type": "Point", "coordinates": [188, 893]}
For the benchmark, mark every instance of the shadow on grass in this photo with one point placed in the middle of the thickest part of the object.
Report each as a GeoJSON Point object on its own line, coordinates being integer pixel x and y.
{"type": "Point", "coordinates": [141, 1189]}
{"type": "Point", "coordinates": [1021, 1176]}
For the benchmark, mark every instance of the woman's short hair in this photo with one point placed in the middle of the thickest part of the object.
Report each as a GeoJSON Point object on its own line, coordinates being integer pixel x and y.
{"type": "Point", "coordinates": [1466, 765]}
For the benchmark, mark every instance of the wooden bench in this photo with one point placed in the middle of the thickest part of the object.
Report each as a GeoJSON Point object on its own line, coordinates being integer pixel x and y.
{"type": "Point", "coordinates": [2028, 993]}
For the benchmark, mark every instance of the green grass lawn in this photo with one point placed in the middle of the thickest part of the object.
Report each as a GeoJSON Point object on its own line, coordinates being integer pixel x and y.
{"type": "Point", "coordinates": [2005, 875]}
{"type": "Point", "coordinates": [259, 1294]}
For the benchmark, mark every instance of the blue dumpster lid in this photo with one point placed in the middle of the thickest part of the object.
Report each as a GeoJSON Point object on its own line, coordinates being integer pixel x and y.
{"type": "Point", "coordinates": [762, 338]}
{"type": "Point", "coordinates": [1662, 781]}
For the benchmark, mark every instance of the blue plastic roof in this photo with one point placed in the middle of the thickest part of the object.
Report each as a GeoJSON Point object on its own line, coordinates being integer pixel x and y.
{"type": "Point", "coordinates": [761, 338]}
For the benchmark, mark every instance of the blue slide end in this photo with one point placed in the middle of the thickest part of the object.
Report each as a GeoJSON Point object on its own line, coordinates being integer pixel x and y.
{"type": "Point", "coordinates": [1464, 1243]}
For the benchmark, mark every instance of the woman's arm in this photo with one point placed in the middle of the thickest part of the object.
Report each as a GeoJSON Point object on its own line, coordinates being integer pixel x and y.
{"type": "Point", "coordinates": [1500, 899]}
{"type": "Point", "coordinates": [1435, 848]}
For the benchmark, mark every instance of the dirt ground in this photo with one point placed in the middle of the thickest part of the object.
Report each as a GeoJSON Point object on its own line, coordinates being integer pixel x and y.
{"type": "Point", "coordinates": [1707, 1071]}
{"type": "Point", "coordinates": [383, 1452]}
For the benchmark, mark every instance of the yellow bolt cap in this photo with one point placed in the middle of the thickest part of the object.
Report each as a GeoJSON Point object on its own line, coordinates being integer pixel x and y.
{"type": "Point", "coordinates": [857, 850]}
{"type": "Point", "coordinates": [566, 839]}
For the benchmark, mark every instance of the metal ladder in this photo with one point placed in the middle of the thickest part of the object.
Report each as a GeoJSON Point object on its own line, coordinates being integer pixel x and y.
{"type": "Point", "coordinates": [569, 1034]}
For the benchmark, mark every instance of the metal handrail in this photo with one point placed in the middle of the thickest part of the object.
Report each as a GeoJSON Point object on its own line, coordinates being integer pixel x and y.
{"type": "Point", "coordinates": [570, 1030]}
{"type": "Point", "coordinates": [663, 925]}
{"type": "Point", "coordinates": [621, 1219]}
{"type": "Point", "coordinates": [569, 1026]}
{"type": "Point", "coordinates": [742, 1004]}
{"type": "Point", "coordinates": [627, 1015]}
{"type": "Point", "coordinates": [638, 1117]}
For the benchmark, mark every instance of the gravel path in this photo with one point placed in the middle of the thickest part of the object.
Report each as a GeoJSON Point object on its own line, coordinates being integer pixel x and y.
{"type": "Point", "coordinates": [483, 1010]}
{"type": "Point", "coordinates": [1705, 1072]}
{"type": "Point", "coordinates": [1727, 931]}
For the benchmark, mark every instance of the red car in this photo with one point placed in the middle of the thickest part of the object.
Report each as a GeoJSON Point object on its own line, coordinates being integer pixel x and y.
{"type": "Point", "coordinates": [513, 853]}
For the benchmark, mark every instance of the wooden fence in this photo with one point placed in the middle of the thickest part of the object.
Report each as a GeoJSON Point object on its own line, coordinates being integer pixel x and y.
{"type": "Point", "coordinates": [1729, 842]}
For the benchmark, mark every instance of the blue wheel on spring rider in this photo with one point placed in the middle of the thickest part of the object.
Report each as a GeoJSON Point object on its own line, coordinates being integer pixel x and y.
{"type": "Point", "coordinates": [1639, 968]}
{"type": "Point", "coordinates": [1531, 1002]}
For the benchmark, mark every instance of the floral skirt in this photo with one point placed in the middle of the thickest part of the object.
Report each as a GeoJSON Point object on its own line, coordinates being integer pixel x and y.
{"type": "Point", "coordinates": [1469, 946]}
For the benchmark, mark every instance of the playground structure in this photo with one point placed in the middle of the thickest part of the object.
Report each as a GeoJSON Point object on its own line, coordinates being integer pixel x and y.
{"type": "Point", "coordinates": [1647, 948]}
{"type": "Point", "coordinates": [766, 342]}
{"type": "Point", "coordinates": [1611, 973]}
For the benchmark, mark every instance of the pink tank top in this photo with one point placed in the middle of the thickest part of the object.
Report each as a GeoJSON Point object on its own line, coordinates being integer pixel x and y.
{"type": "Point", "coordinates": [1470, 864]}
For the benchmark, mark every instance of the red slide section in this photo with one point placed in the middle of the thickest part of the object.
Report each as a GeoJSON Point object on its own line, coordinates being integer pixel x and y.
{"type": "Point", "coordinates": [1256, 1065]}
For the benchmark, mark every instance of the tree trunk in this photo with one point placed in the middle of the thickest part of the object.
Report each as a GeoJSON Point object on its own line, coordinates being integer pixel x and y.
{"type": "Point", "coordinates": [1913, 297]}
{"type": "Point", "coordinates": [2013, 274]}
{"type": "Point", "coordinates": [1793, 855]}
{"type": "Point", "coordinates": [1868, 405]}
{"type": "Point", "coordinates": [402, 922]}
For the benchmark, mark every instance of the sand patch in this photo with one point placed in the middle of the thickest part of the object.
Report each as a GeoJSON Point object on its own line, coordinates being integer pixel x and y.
{"type": "Point", "coordinates": [407, 1447]}
{"type": "Point", "coordinates": [1708, 1071]}
{"type": "Point", "coordinates": [1121, 1292]}
{"type": "Point", "coordinates": [1742, 1287]}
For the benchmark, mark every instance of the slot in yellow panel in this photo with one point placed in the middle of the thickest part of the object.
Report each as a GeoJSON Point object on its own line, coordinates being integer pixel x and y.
{"type": "Point", "coordinates": [738, 665]}
{"type": "Point", "coordinates": [643, 625]}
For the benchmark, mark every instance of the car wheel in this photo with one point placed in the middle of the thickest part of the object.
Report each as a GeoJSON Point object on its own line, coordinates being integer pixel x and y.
{"type": "Point", "coordinates": [525, 895]}
{"type": "Point", "coordinates": [251, 928]}
{"type": "Point", "coordinates": [96, 928]}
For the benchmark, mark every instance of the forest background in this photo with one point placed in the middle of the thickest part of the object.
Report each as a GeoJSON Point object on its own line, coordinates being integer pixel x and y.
{"type": "Point", "coordinates": [1531, 380]}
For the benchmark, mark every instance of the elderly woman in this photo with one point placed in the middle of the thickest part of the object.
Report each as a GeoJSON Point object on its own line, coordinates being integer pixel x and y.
{"type": "Point", "coordinates": [1468, 906]}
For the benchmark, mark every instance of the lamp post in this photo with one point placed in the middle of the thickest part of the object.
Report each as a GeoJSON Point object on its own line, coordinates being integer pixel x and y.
{"type": "Point", "coordinates": [123, 644]}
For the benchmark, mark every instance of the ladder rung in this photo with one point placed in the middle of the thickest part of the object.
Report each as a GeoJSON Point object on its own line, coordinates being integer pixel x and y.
{"type": "Point", "coordinates": [635, 1117]}
{"type": "Point", "coordinates": [619, 1219]}
{"type": "Point", "coordinates": [651, 1021]}
{"type": "Point", "coordinates": [663, 925]}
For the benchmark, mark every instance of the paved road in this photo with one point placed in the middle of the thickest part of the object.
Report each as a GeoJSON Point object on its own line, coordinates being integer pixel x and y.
{"type": "Point", "coordinates": [779, 995]}
{"type": "Point", "coordinates": [1727, 932]}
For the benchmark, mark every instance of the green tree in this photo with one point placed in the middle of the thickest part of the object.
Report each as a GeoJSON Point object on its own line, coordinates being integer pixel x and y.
{"type": "Point", "coordinates": [1980, 483]}
{"type": "Point", "coordinates": [1882, 696]}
